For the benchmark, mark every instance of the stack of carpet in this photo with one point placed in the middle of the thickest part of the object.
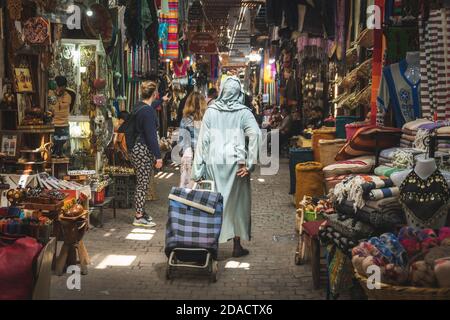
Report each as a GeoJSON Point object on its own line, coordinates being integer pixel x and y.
{"type": "Point", "coordinates": [344, 233]}
{"type": "Point", "coordinates": [364, 205]}
{"type": "Point", "coordinates": [363, 188]}
{"type": "Point", "coordinates": [385, 215]}
{"type": "Point", "coordinates": [410, 130]}
{"type": "Point", "coordinates": [339, 171]}
{"type": "Point", "coordinates": [400, 158]}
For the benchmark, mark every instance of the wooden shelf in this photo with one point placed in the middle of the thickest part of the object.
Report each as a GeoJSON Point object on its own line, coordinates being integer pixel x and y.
{"type": "Point", "coordinates": [36, 129]}
{"type": "Point", "coordinates": [59, 161]}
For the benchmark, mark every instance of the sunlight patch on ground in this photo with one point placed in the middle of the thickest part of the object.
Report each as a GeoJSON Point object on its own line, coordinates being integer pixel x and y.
{"type": "Point", "coordinates": [113, 260]}
{"type": "Point", "coordinates": [141, 235]}
{"type": "Point", "coordinates": [237, 265]}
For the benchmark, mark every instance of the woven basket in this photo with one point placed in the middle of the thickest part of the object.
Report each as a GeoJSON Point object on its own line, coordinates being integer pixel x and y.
{"type": "Point", "coordinates": [390, 292]}
{"type": "Point", "coordinates": [309, 181]}
{"type": "Point", "coordinates": [321, 134]}
{"type": "Point", "coordinates": [328, 149]}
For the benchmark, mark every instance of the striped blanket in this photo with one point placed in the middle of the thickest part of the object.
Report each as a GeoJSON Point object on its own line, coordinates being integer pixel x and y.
{"type": "Point", "coordinates": [168, 30]}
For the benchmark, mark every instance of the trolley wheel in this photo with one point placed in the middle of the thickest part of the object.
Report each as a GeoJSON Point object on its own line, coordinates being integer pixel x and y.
{"type": "Point", "coordinates": [169, 273]}
{"type": "Point", "coordinates": [299, 253]}
{"type": "Point", "coordinates": [214, 269]}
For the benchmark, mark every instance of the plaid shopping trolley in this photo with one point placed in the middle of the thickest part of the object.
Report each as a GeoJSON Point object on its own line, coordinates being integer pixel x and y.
{"type": "Point", "coordinates": [193, 228]}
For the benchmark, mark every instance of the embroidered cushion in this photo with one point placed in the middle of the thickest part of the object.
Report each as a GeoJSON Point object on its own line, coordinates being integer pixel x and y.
{"type": "Point", "coordinates": [366, 139]}
{"type": "Point", "coordinates": [356, 165]}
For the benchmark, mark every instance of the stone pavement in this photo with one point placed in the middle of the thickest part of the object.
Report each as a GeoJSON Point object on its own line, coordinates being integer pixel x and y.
{"type": "Point", "coordinates": [129, 263]}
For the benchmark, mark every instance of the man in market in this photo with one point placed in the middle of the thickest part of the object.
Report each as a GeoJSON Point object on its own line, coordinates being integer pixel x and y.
{"type": "Point", "coordinates": [316, 118]}
{"type": "Point", "coordinates": [285, 128]}
{"type": "Point", "coordinates": [61, 101]}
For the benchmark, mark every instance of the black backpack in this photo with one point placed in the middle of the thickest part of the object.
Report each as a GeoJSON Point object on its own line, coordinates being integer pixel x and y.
{"type": "Point", "coordinates": [129, 128]}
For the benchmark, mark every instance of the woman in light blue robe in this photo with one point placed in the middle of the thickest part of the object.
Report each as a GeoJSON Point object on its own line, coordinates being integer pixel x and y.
{"type": "Point", "coordinates": [224, 156]}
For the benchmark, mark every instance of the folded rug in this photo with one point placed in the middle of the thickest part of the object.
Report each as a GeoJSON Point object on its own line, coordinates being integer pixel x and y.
{"type": "Point", "coordinates": [392, 202]}
{"type": "Point", "coordinates": [379, 194]}
{"type": "Point", "coordinates": [350, 228]}
{"type": "Point", "coordinates": [386, 171]}
{"type": "Point", "coordinates": [386, 219]}
{"type": "Point", "coordinates": [409, 132]}
{"type": "Point", "coordinates": [408, 137]}
{"type": "Point", "coordinates": [414, 125]}
{"type": "Point", "coordinates": [376, 183]}
{"type": "Point", "coordinates": [390, 153]}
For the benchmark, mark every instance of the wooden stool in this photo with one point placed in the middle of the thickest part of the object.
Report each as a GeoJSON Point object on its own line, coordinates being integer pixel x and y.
{"type": "Point", "coordinates": [309, 249]}
{"type": "Point", "coordinates": [73, 230]}
{"type": "Point", "coordinates": [60, 167]}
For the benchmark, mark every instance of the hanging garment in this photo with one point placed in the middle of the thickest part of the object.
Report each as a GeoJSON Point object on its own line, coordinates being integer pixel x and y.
{"type": "Point", "coordinates": [168, 30]}
{"type": "Point", "coordinates": [341, 14]}
{"type": "Point", "coordinates": [181, 68]}
{"type": "Point", "coordinates": [425, 201]}
{"type": "Point", "coordinates": [400, 40]}
{"type": "Point", "coordinates": [435, 64]}
{"type": "Point", "coordinates": [397, 91]}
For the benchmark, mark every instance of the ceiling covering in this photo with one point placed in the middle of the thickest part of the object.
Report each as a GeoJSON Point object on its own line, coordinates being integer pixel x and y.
{"type": "Point", "coordinates": [233, 21]}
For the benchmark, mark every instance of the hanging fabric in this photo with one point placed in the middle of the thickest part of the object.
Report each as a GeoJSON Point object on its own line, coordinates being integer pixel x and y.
{"type": "Point", "coordinates": [435, 64]}
{"type": "Point", "coordinates": [168, 30]}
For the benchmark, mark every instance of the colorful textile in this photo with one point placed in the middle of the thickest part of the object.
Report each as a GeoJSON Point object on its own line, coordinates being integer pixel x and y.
{"type": "Point", "coordinates": [391, 249]}
{"type": "Point", "coordinates": [168, 30]}
{"type": "Point", "coordinates": [365, 141]}
{"type": "Point", "coordinates": [379, 194]}
{"type": "Point", "coordinates": [340, 272]}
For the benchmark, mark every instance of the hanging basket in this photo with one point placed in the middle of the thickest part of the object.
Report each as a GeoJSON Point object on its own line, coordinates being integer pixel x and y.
{"type": "Point", "coordinates": [390, 292]}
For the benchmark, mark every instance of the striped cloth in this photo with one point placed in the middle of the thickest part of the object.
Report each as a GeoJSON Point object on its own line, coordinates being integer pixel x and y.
{"type": "Point", "coordinates": [191, 227]}
{"type": "Point", "coordinates": [168, 30]}
{"type": "Point", "coordinates": [435, 64]}
{"type": "Point", "coordinates": [379, 194]}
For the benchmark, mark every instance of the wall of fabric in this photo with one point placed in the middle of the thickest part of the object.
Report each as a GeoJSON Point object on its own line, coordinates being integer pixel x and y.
{"type": "Point", "coordinates": [435, 64]}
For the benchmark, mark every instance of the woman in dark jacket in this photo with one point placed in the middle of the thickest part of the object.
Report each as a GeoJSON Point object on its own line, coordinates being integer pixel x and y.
{"type": "Point", "coordinates": [145, 154]}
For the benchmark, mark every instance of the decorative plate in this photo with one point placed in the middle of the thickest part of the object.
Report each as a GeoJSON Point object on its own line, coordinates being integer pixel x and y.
{"type": "Point", "coordinates": [37, 30]}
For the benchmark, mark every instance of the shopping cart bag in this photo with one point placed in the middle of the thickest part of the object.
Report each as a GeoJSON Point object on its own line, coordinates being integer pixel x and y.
{"type": "Point", "coordinates": [195, 219]}
{"type": "Point", "coordinates": [193, 226]}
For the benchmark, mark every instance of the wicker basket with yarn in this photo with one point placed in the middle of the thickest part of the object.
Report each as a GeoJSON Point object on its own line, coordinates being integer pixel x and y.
{"type": "Point", "coordinates": [391, 292]}
{"type": "Point", "coordinates": [309, 181]}
{"type": "Point", "coordinates": [321, 134]}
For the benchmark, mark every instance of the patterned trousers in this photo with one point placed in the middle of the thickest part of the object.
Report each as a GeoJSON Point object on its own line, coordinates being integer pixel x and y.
{"type": "Point", "coordinates": [142, 161]}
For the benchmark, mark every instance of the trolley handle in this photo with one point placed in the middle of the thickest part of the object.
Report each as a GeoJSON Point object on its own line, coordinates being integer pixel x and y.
{"type": "Point", "coordinates": [205, 182]}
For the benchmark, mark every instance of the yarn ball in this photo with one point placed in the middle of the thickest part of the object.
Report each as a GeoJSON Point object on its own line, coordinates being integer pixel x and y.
{"type": "Point", "coordinates": [429, 243]}
{"type": "Point", "coordinates": [411, 246]}
{"type": "Point", "coordinates": [444, 234]}
{"type": "Point", "coordinates": [422, 275]}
